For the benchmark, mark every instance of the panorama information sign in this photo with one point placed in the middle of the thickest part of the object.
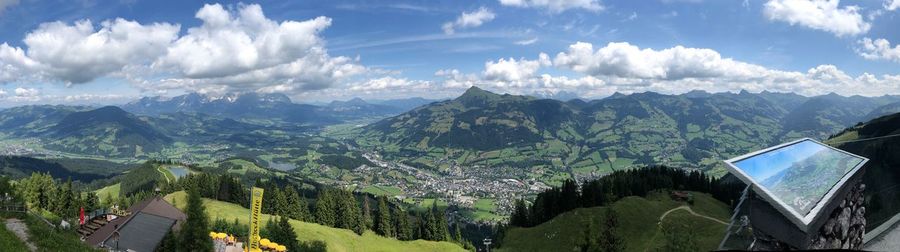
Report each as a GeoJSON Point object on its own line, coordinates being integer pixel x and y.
{"type": "Point", "coordinates": [798, 178]}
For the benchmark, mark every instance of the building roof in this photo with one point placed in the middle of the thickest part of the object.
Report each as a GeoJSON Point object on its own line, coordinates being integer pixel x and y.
{"type": "Point", "coordinates": [146, 218]}
{"type": "Point", "coordinates": [142, 233]}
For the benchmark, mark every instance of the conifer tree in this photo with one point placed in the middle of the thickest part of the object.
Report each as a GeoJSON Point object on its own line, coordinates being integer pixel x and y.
{"type": "Point", "coordinates": [194, 232]}
{"type": "Point", "coordinates": [286, 235]}
{"type": "Point", "coordinates": [303, 213]}
{"type": "Point", "coordinates": [280, 201]}
{"type": "Point", "coordinates": [325, 208]}
{"type": "Point", "coordinates": [404, 231]}
{"type": "Point", "coordinates": [383, 223]}
{"type": "Point", "coordinates": [368, 222]}
{"type": "Point", "coordinates": [519, 216]}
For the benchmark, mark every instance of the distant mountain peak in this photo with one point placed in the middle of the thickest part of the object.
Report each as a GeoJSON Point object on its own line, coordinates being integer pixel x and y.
{"type": "Point", "coordinates": [111, 110]}
{"type": "Point", "coordinates": [474, 90]}
{"type": "Point", "coordinates": [617, 94]}
{"type": "Point", "coordinates": [475, 96]}
{"type": "Point", "coordinates": [697, 94]}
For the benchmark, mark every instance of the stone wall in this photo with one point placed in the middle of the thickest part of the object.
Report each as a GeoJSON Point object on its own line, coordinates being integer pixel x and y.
{"type": "Point", "coordinates": [846, 225]}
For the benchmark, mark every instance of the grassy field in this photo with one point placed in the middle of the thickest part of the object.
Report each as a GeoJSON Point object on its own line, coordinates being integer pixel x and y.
{"type": "Point", "coordinates": [49, 239]}
{"type": "Point", "coordinates": [484, 210]}
{"type": "Point", "coordinates": [638, 225]}
{"type": "Point", "coordinates": [389, 191]}
{"type": "Point", "coordinates": [112, 190]}
{"type": "Point", "coordinates": [336, 239]}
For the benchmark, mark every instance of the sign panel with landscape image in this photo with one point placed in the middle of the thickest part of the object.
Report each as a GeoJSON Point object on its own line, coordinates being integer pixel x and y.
{"type": "Point", "coordinates": [798, 177]}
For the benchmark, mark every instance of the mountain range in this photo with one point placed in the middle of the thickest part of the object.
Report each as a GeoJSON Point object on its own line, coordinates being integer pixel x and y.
{"type": "Point", "coordinates": [273, 107]}
{"type": "Point", "coordinates": [695, 129]}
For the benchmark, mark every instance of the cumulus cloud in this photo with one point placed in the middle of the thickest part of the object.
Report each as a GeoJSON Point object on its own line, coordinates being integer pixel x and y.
{"type": "Point", "coordinates": [878, 49]}
{"type": "Point", "coordinates": [26, 93]}
{"type": "Point", "coordinates": [891, 4]}
{"type": "Point", "coordinates": [13, 63]}
{"type": "Point", "coordinates": [242, 49]}
{"type": "Point", "coordinates": [823, 15]}
{"type": "Point", "coordinates": [78, 53]}
{"type": "Point", "coordinates": [627, 68]}
{"type": "Point", "coordinates": [469, 19]}
{"type": "Point", "coordinates": [512, 70]}
{"type": "Point", "coordinates": [389, 83]}
{"type": "Point", "coordinates": [555, 6]}
{"type": "Point", "coordinates": [234, 49]}
{"type": "Point", "coordinates": [624, 60]}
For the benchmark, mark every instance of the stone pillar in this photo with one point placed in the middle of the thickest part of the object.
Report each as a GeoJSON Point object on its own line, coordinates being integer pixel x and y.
{"type": "Point", "coordinates": [846, 225]}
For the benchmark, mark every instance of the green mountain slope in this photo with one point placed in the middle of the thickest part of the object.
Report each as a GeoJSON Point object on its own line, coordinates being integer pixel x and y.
{"type": "Point", "coordinates": [336, 239]}
{"type": "Point", "coordinates": [878, 141]}
{"type": "Point", "coordinates": [106, 131]}
{"type": "Point", "coordinates": [639, 225]}
{"type": "Point", "coordinates": [581, 138]}
{"type": "Point", "coordinates": [33, 120]}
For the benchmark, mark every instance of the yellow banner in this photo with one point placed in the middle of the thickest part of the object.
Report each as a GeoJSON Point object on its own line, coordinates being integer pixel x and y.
{"type": "Point", "coordinates": [255, 207]}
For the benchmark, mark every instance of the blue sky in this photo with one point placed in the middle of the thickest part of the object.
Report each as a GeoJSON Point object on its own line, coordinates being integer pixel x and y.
{"type": "Point", "coordinates": [393, 49]}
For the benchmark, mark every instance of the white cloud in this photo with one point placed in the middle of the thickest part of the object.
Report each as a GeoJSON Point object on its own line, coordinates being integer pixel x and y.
{"type": "Point", "coordinates": [26, 93]}
{"type": "Point", "coordinates": [511, 70]}
{"type": "Point", "coordinates": [526, 41]}
{"type": "Point", "coordinates": [78, 53]}
{"type": "Point", "coordinates": [469, 19]}
{"type": "Point", "coordinates": [14, 64]}
{"type": "Point", "coordinates": [624, 60]}
{"type": "Point", "coordinates": [891, 4]}
{"type": "Point", "coordinates": [233, 43]}
{"type": "Point", "coordinates": [390, 84]}
{"type": "Point", "coordinates": [878, 49]}
{"type": "Point", "coordinates": [626, 68]}
{"type": "Point", "coordinates": [555, 6]}
{"type": "Point", "coordinates": [823, 15]}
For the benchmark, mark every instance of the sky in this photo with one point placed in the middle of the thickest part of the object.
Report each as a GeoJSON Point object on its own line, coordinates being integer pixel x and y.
{"type": "Point", "coordinates": [112, 52]}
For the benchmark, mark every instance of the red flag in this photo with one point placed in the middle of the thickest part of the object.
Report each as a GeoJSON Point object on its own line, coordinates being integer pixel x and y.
{"type": "Point", "coordinates": [81, 217]}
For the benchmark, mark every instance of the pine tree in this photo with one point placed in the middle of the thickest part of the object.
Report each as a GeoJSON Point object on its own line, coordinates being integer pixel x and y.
{"type": "Point", "coordinates": [367, 220]}
{"type": "Point", "coordinates": [325, 208]}
{"type": "Point", "coordinates": [281, 203]}
{"type": "Point", "coordinates": [295, 205]}
{"type": "Point", "coordinates": [91, 201]}
{"type": "Point", "coordinates": [519, 216]}
{"type": "Point", "coordinates": [286, 235]}
{"type": "Point", "coordinates": [383, 223]}
{"type": "Point", "coordinates": [457, 234]}
{"type": "Point", "coordinates": [404, 231]}
{"type": "Point", "coordinates": [108, 200]}
{"type": "Point", "coordinates": [194, 232]}
{"type": "Point", "coordinates": [440, 228]}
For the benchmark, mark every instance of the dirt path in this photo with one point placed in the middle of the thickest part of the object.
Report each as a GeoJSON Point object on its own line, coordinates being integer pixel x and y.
{"type": "Point", "coordinates": [163, 173]}
{"type": "Point", "coordinates": [687, 208]}
{"type": "Point", "coordinates": [19, 228]}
